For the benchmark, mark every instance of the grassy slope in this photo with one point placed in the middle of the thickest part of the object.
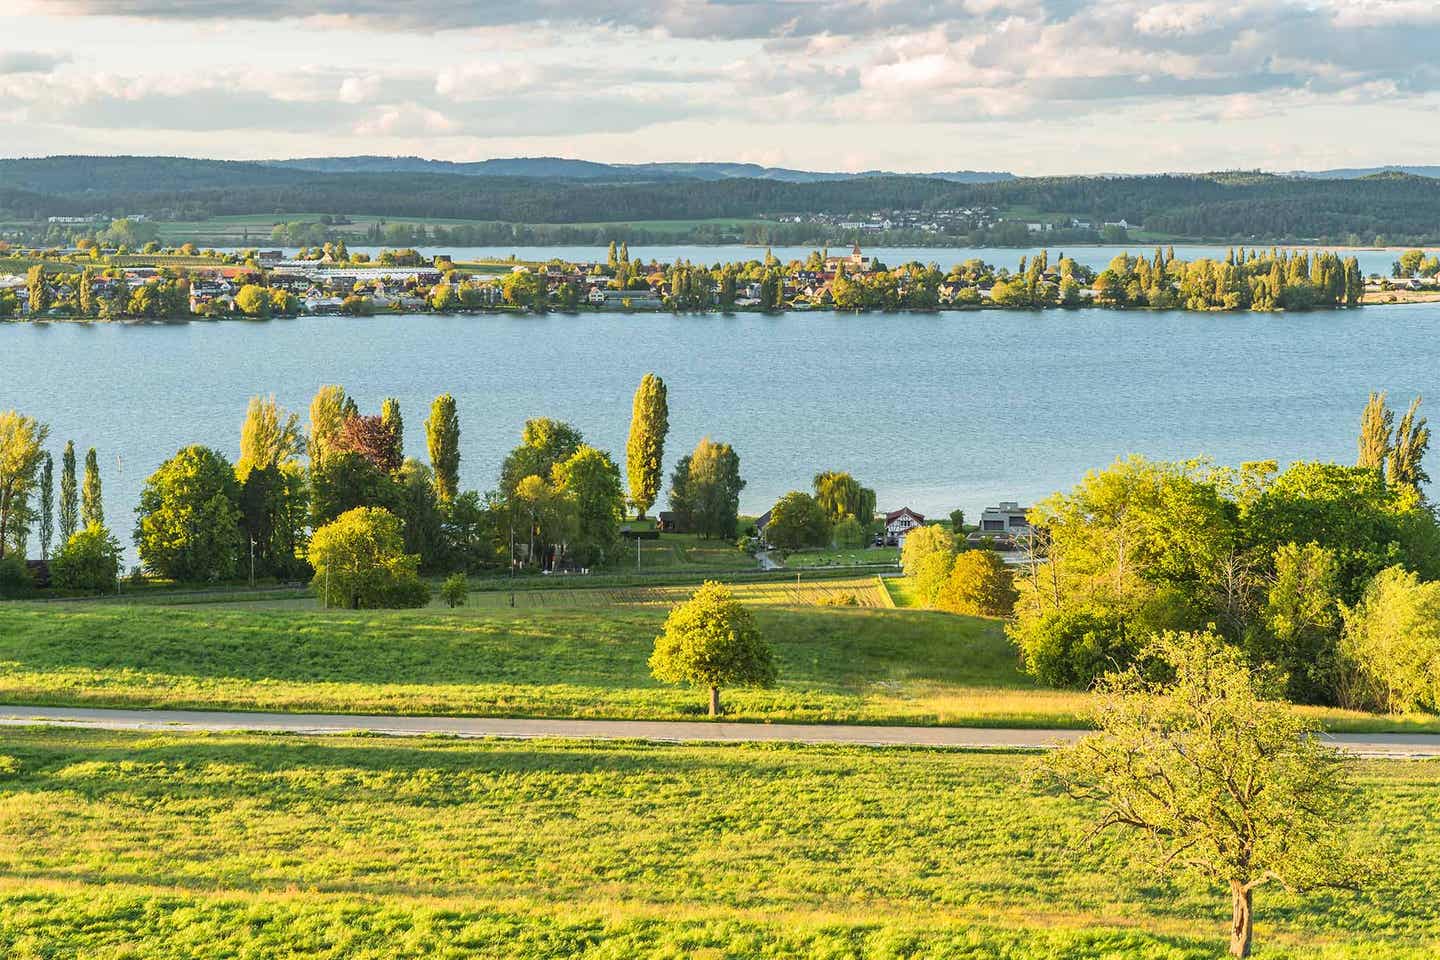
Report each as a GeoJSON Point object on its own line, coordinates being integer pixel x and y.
{"type": "Point", "coordinates": [140, 846]}
{"type": "Point", "coordinates": [852, 665]}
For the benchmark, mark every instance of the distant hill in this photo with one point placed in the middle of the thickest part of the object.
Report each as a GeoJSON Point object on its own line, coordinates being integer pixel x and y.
{"type": "Point", "coordinates": [1355, 173]}
{"type": "Point", "coordinates": [563, 168]}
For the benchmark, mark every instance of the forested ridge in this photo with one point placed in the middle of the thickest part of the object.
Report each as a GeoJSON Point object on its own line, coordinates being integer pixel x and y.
{"type": "Point", "coordinates": [1397, 207]}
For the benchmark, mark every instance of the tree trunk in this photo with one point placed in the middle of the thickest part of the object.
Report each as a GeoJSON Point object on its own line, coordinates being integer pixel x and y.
{"type": "Point", "coordinates": [1242, 922]}
{"type": "Point", "coordinates": [714, 701]}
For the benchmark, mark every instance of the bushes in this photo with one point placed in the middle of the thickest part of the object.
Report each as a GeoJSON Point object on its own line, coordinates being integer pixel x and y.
{"type": "Point", "coordinates": [89, 561]}
{"type": "Point", "coordinates": [979, 585]}
{"type": "Point", "coordinates": [926, 558]}
{"type": "Point", "coordinates": [1073, 648]}
{"type": "Point", "coordinates": [1390, 651]}
{"type": "Point", "coordinates": [454, 590]}
{"type": "Point", "coordinates": [15, 579]}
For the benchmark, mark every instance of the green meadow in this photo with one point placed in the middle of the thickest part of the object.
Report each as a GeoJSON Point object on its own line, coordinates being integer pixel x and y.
{"type": "Point", "coordinates": [136, 846]}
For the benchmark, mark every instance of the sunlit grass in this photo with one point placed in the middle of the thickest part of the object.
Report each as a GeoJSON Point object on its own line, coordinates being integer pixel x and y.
{"type": "Point", "coordinates": [128, 845]}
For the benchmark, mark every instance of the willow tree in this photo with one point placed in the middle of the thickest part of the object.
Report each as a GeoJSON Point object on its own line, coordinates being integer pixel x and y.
{"type": "Point", "coordinates": [92, 500]}
{"type": "Point", "coordinates": [442, 440]}
{"type": "Point", "coordinates": [1211, 775]}
{"type": "Point", "coordinates": [645, 448]}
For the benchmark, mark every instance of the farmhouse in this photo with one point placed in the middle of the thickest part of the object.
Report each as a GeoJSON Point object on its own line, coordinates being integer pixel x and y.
{"type": "Point", "coordinates": [900, 522]}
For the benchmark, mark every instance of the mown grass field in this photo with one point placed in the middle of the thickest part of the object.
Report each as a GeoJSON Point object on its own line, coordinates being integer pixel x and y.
{"type": "Point", "coordinates": [137, 846]}
{"type": "Point", "coordinates": [836, 664]}
{"type": "Point", "coordinates": [842, 557]}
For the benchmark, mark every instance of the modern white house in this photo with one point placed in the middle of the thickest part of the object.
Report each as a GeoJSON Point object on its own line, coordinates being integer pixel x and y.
{"type": "Point", "coordinates": [1003, 523]}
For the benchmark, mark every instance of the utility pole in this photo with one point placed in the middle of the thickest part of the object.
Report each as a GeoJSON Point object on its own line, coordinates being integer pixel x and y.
{"type": "Point", "coordinates": [252, 563]}
{"type": "Point", "coordinates": [512, 562]}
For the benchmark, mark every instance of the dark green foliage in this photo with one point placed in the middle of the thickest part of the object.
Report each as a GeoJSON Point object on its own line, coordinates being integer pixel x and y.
{"type": "Point", "coordinates": [798, 521]}
{"type": "Point", "coordinates": [188, 524]}
{"type": "Point", "coordinates": [1073, 648]}
{"type": "Point", "coordinates": [89, 561]}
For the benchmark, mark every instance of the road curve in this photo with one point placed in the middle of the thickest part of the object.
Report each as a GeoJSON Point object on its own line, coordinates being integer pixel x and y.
{"type": "Point", "coordinates": [1391, 745]}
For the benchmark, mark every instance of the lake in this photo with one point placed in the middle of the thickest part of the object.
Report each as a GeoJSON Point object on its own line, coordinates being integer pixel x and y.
{"type": "Point", "coordinates": [935, 411]}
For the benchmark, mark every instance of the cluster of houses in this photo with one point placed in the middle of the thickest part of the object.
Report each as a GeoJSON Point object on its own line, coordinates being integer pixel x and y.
{"type": "Point", "coordinates": [1003, 527]}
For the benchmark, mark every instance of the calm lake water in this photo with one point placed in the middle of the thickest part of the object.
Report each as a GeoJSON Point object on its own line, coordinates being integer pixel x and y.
{"type": "Point", "coordinates": [936, 411]}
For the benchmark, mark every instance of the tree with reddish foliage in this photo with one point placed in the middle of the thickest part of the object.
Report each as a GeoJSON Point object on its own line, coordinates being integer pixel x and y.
{"type": "Point", "coordinates": [372, 438]}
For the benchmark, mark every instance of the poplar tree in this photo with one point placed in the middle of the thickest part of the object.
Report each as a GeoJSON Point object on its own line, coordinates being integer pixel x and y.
{"type": "Point", "coordinates": [645, 448]}
{"type": "Point", "coordinates": [1375, 430]}
{"type": "Point", "coordinates": [47, 505]}
{"type": "Point", "coordinates": [442, 439]}
{"type": "Point", "coordinates": [390, 417]}
{"type": "Point", "coordinates": [69, 494]}
{"type": "Point", "coordinates": [92, 505]}
{"type": "Point", "coordinates": [1412, 438]}
{"type": "Point", "coordinates": [328, 411]}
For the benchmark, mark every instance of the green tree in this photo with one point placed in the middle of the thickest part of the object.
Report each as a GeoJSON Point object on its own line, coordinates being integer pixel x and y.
{"type": "Point", "coordinates": [645, 447]}
{"type": "Point", "coordinates": [22, 447]}
{"type": "Point", "coordinates": [253, 300]}
{"type": "Point", "coordinates": [85, 293]}
{"type": "Point", "coordinates": [926, 557]}
{"type": "Point", "coordinates": [69, 494]}
{"type": "Point", "coordinates": [328, 412]}
{"type": "Point", "coordinates": [1390, 651]}
{"type": "Point", "coordinates": [188, 525]}
{"type": "Point", "coordinates": [47, 505]}
{"type": "Point", "coordinates": [360, 562]}
{"type": "Point", "coordinates": [269, 437]}
{"type": "Point", "coordinates": [1209, 776]}
{"type": "Point", "coordinates": [543, 443]}
{"type": "Point", "coordinates": [705, 490]}
{"type": "Point", "coordinates": [797, 521]}
{"type": "Point", "coordinates": [92, 497]}
{"type": "Point", "coordinates": [454, 590]}
{"type": "Point", "coordinates": [442, 440]}
{"type": "Point", "coordinates": [395, 424]}
{"type": "Point", "coordinates": [592, 480]}
{"type": "Point", "coordinates": [849, 534]}
{"type": "Point", "coordinates": [37, 286]}
{"type": "Point", "coordinates": [979, 585]}
{"type": "Point", "coordinates": [89, 560]}
{"type": "Point", "coordinates": [1376, 426]}
{"type": "Point", "coordinates": [712, 641]}
{"type": "Point", "coordinates": [421, 514]}
{"type": "Point", "coordinates": [1301, 621]}
{"type": "Point", "coordinates": [1412, 439]}
{"type": "Point", "coordinates": [347, 480]}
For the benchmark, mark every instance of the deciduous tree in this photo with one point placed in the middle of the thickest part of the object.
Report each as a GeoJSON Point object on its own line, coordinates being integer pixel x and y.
{"type": "Point", "coordinates": [645, 448]}
{"type": "Point", "coordinates": [360, 562]}
{"type": "Point", "coordinates": [188, 526]}
{"type": "Point", "coordinates": [22, 446]}
{"type": "Point", "coordinates": [1208, 775]}
{"type": "Point", "coordinates": [712, 641]}
{"type": "Point", "coordinates": [442, 440]}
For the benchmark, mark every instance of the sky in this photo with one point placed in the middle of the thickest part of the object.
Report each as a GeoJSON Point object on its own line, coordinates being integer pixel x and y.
{"type": "Point", "coordinates": [1029, 86]}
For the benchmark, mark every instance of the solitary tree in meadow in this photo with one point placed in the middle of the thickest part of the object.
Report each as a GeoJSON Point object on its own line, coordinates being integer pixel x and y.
{"type": "Point", "coordinates": [645, 449]}
{"type": "Point", "coordinates": [712, 641]}
{"type": "Point", "coordinates": [1210, 776]}
{"type": "Point", "coordinates": [442, 439]}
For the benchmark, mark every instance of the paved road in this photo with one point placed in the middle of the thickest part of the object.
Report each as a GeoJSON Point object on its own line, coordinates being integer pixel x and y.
{"type": "Point", "coordinates": [1399, 745]}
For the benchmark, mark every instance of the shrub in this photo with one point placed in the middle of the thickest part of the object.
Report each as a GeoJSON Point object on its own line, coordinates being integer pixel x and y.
{"type": "Point", "coordinates": [1390, 650]}
{"type": "Point", "coordinates": [979, 585]}
{"type": "Point", "coordinates": [89, 560]}
{"type": "Point", "coordinates": [926, 558]}
{"type": "Point", "coordinates": [849, 533]}
{"type": "Point", "coordinates": [454, 590]}
{"type": "Point", "coordinates": [15, 578]}
{"type": "Point", "coordinates": [1074, 648]}
{"type": "Point", "coordinates": [838, 600]}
